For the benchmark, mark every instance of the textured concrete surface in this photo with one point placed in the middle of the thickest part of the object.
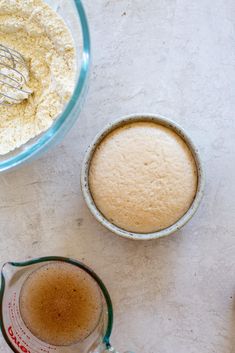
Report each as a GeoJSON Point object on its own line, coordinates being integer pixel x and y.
{"type": "Point", "coordinates": [177, 294]}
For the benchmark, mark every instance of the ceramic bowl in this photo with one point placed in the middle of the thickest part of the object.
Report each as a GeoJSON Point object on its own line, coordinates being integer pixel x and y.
{"type": "Point", "coordinates": [85, 177]}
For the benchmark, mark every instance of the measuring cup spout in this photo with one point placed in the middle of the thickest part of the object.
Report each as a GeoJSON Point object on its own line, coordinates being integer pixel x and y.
{"type": "Point", "coordinates": [7, 271]}
{"type": "Point", "coordinates": [9, 274]}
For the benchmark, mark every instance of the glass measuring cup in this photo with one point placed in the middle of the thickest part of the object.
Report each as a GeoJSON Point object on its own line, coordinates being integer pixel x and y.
{"type": "Point", "coordinates": [16, 333]}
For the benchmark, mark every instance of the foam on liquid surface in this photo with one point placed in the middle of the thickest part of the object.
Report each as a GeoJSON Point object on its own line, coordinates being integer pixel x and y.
{"type": "Point", "coordinates": [60, 304]}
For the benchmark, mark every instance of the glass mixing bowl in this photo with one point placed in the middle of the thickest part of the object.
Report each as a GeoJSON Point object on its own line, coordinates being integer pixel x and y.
{"type": "Point", "coordinates": [74, 15]}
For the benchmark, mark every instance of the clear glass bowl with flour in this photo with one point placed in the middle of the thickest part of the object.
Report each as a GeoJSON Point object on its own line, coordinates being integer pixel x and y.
{"type": "Point", "coordinates": [59, 76]}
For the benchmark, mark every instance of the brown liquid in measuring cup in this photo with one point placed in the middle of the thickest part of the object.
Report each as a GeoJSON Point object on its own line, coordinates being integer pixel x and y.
{"type": "Point", "coordinates": [60, 303]}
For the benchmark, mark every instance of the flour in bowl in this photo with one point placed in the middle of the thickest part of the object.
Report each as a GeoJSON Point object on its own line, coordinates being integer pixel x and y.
{"type": "Point", "coordinates": [37, 32]}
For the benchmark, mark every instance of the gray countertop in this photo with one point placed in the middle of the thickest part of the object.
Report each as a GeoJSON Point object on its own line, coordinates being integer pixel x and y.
{"type": "Point", "coordinates": [176, 58]}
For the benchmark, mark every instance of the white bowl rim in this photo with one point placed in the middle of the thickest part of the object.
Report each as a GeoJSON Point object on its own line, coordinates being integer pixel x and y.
{"type": "Point", "coordinates": [159, 119]}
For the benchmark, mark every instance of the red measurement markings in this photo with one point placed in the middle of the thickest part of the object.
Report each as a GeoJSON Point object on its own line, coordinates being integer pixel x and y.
{"type": "Point", "coordinates": [17, 342]}
{"type": "Point", "coordinates": [15, 327]}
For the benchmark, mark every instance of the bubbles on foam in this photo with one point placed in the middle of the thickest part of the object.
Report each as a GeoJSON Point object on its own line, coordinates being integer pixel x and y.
{"type": "Point", "coordinates": [60, 303]}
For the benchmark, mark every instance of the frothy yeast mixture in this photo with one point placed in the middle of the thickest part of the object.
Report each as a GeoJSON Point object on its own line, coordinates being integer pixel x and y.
{"type": "Point", "coordinates": [60, 303]}
{"type": "Point", "coordinates": [32, 28]}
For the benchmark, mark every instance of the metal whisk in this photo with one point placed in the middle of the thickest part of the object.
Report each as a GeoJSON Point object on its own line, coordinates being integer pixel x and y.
{"type": "Point", "coordinates": [14, 74]}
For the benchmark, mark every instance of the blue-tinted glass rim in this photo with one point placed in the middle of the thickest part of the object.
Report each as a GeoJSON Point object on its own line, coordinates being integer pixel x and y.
{"type": "Point", "coordinates": [43, 142]}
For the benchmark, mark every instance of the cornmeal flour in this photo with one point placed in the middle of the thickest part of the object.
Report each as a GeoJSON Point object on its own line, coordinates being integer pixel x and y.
{"type": "Point", "coordinates": [41, 36]}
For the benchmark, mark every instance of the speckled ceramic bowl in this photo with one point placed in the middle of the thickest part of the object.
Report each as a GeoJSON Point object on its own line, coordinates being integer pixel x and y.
{"type": "Point", "coordinates": [85, 177]}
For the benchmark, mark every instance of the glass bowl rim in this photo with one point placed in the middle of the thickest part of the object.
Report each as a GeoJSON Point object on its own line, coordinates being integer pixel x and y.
{"type": "Point", "coordinates": [46, 138]}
